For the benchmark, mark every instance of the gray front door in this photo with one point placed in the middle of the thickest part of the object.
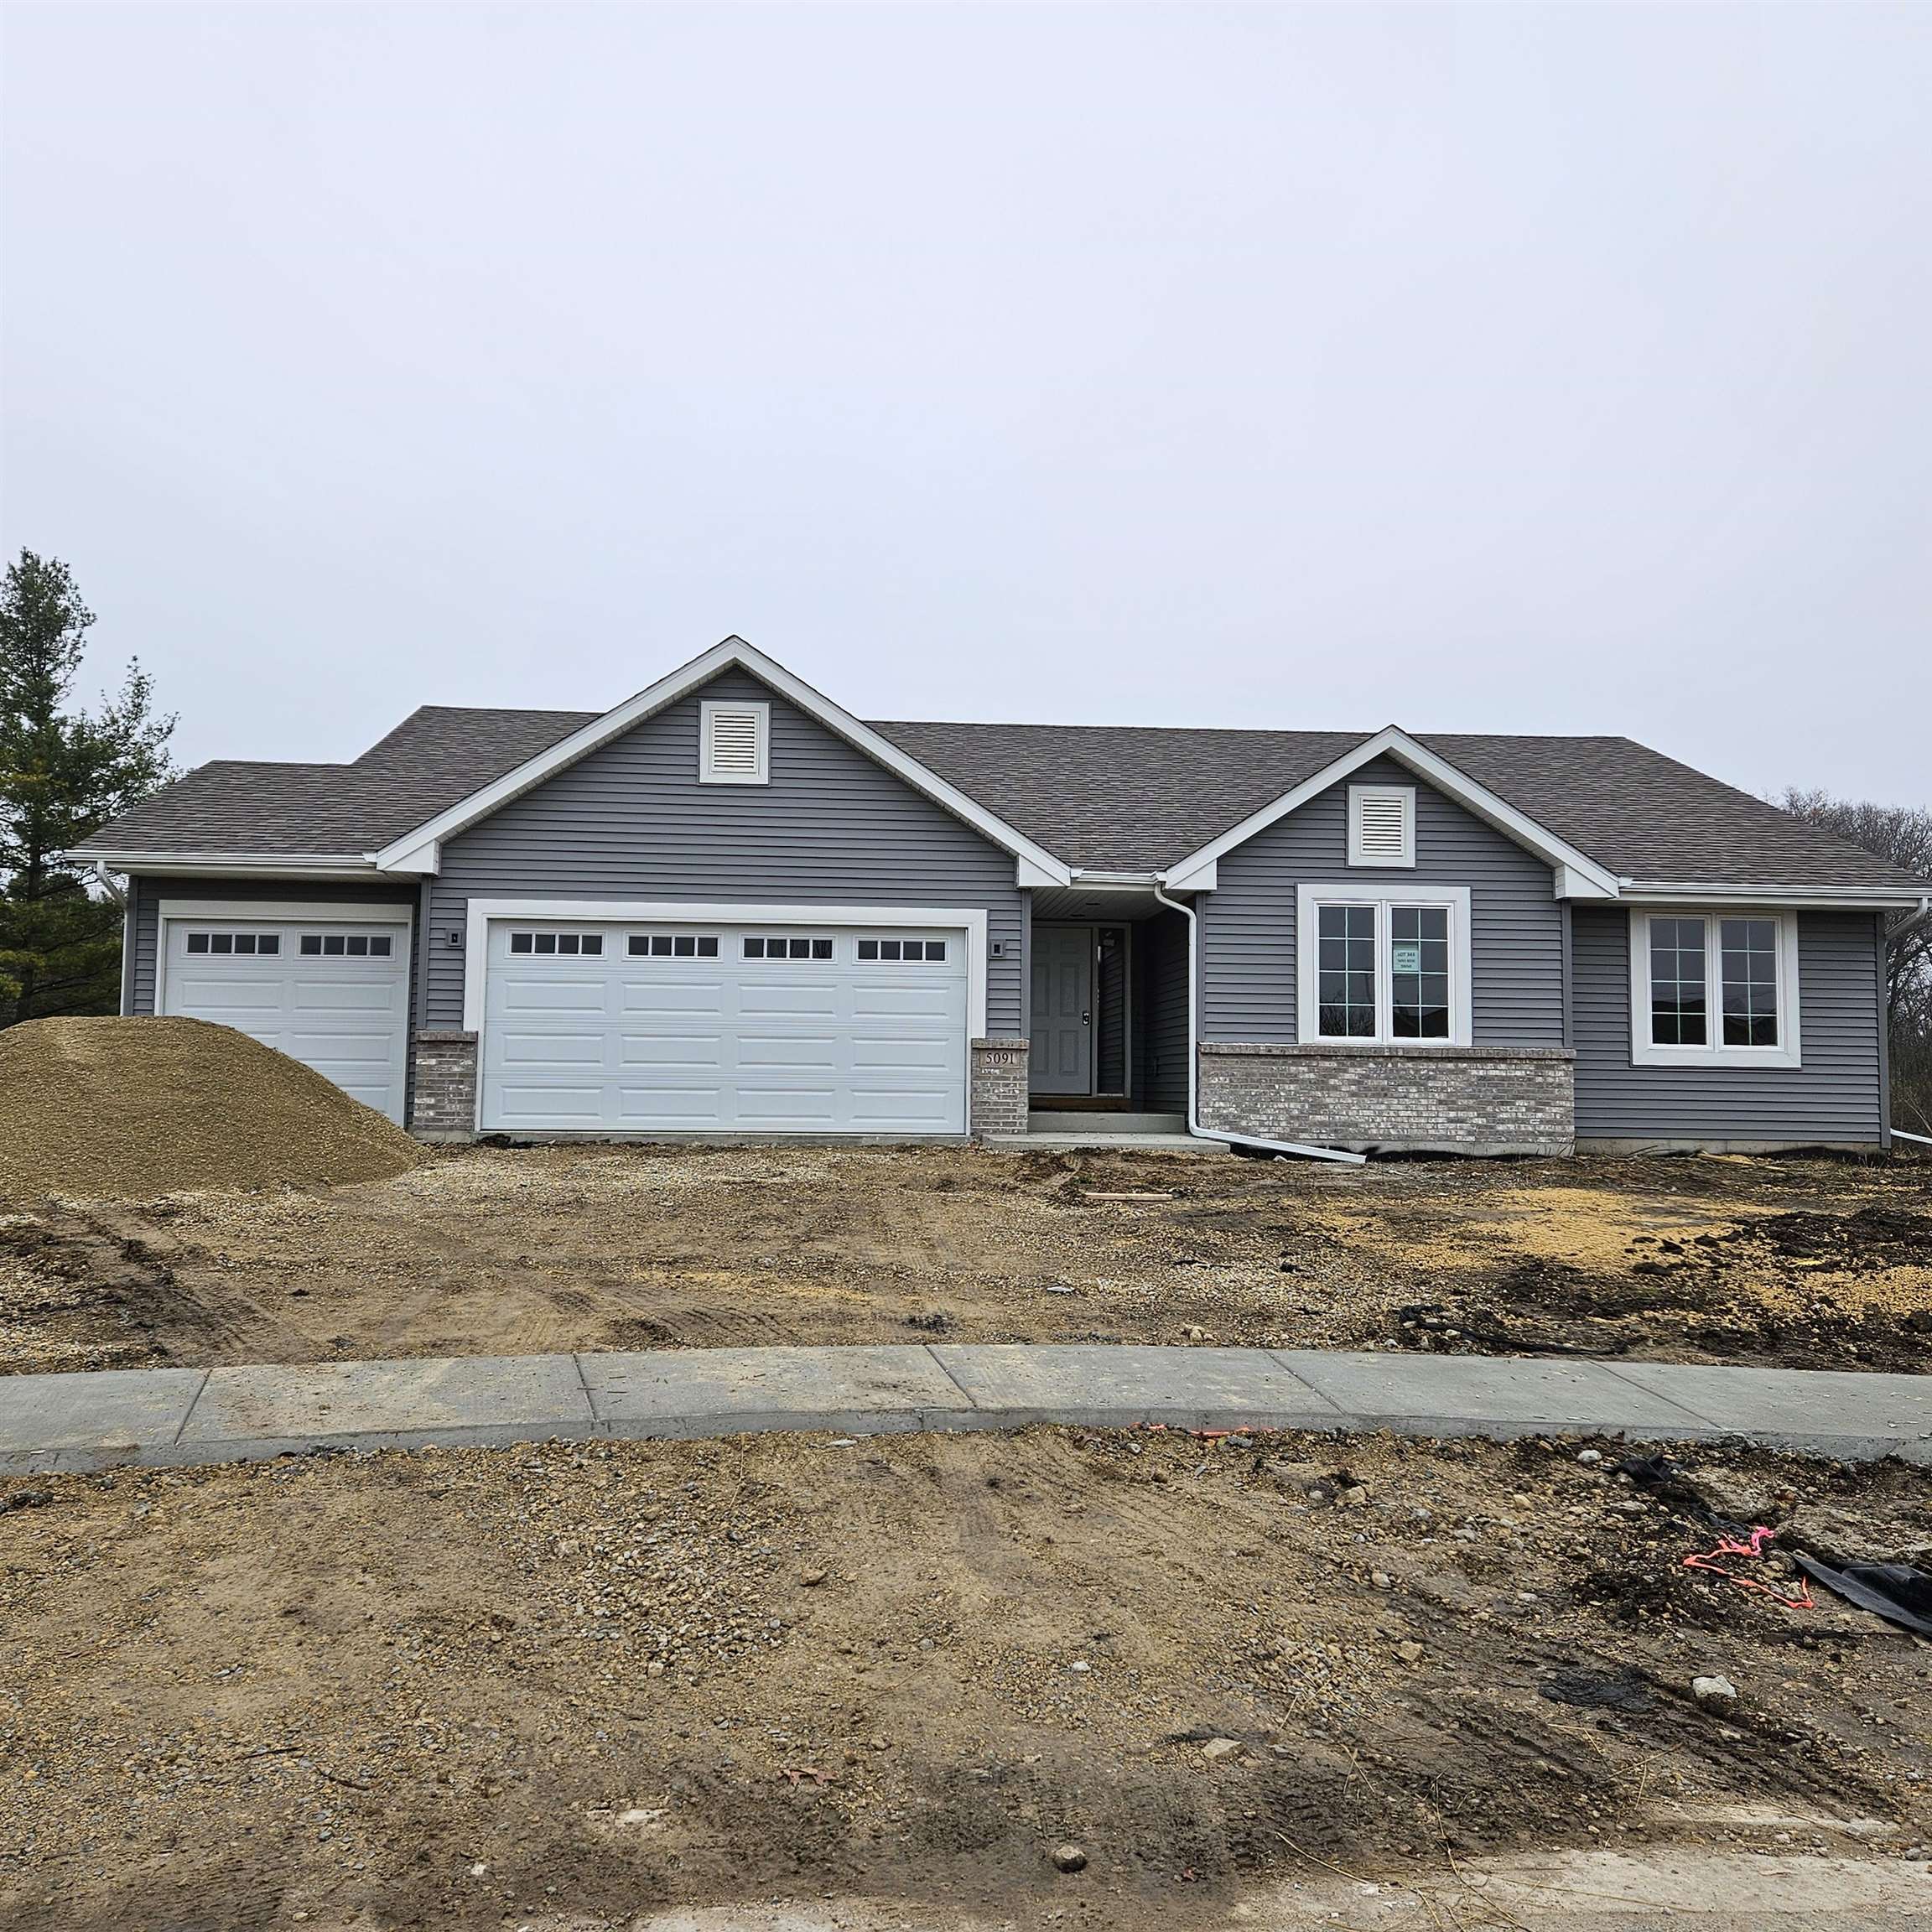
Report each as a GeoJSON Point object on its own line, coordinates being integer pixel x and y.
{"type": "Point", "coordinates": [1062, 1060]}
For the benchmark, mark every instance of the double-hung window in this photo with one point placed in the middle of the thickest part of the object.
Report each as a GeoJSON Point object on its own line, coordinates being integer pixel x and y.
{"type": "Point", "coordinates": [1388, 969]}
{"type": "Point", "coordinates": [1713, 988]}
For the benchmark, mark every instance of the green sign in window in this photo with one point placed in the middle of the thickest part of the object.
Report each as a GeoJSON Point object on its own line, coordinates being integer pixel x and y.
{"type": "Point", "coordinates": [1407, 958]}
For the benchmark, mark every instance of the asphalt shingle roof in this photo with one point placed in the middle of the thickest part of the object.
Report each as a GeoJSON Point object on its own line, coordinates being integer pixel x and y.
{"type": "Point", "coordinates": [1138, 797]}
{"type": "Point", "coordinates": [1104, 797]}
{"type": "Point", "coordinates": [437, 755]}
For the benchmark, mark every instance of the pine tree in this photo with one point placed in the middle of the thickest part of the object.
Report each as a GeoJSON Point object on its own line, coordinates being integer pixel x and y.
{"type": "Point", "coordinates": [64, 772]}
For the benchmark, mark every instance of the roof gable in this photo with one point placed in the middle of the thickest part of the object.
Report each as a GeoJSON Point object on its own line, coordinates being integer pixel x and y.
{"type": "Point", "coordinates": [1579, 875]}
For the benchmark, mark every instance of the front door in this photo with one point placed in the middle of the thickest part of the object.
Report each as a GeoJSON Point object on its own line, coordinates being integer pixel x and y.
{"type": "Point", "coordinates": [1062, 1060]}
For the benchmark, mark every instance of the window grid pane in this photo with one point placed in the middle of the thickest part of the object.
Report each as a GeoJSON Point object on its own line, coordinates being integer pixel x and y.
{"type": "Point", "coordinates": [1748, 948]}
{"type": "Point", "coordinates": [1678, 995]}
{"type": "Point", "coordinates": [1419, 972]}
{"type": "Point", "coordinates": [1346, 992]}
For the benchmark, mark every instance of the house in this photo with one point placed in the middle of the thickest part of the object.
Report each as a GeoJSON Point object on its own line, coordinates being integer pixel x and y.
{"type": "Point", "coordinates": [727, 907]}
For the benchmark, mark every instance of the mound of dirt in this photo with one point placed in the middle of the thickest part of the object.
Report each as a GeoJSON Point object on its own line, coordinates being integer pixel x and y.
{"type": "Point", "coordinates": [119, 1109]}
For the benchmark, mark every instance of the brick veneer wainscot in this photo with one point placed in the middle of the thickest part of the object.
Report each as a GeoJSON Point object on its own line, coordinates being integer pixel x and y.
{"type": "Point", "coordinates": [1457, 1100]}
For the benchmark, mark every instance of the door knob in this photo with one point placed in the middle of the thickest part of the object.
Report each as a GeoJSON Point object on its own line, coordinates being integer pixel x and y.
{"type": "Point", "coordinates": [1086, 1019]}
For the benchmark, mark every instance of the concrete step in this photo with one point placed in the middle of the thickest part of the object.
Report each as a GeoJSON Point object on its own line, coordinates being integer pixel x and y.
{"type": "Point", "coordinates": [1083, 1120]}
{"type": "Point", "coordinates": [1120, 1143]}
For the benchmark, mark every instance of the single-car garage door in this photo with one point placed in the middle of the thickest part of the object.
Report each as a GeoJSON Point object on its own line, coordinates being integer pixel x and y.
{"type": "Point", "coordinates": [331, 993]}
{"type": "Point", "coordinates": [700, 1028]}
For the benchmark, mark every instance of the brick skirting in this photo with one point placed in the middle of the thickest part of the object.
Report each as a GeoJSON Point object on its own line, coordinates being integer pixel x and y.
{"type": "Point", "coordinates": [999, 1087]}
{"type": "Point", "coordinates": [444, 1107]}
{"type": "Point", "coordinates": [1445, 1100]}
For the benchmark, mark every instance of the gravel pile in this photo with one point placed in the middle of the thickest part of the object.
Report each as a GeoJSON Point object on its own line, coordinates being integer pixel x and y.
{"type": "Point", "coordinates": [115, 1108]}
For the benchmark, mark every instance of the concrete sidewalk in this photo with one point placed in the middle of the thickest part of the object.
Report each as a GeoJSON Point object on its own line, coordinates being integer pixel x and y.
{"type": "Point", "coordinates": [174, 1416]}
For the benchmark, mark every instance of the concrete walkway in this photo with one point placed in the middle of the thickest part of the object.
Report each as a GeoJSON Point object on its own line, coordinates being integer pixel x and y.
{"type": "Point", "coordinates": [173, 1416]}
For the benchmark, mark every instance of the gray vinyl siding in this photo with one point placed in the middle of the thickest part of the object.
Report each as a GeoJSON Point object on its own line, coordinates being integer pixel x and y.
{"type": "Point", "coordinates": [147, 894]}
{"type": "Point", "coordinates": [1836, 1095]}
{"type": "Point", "coordinates": [1516, 924]}
{"type": "Point", "coordinates": [631, 821]}
{"type": "Point", "coordinates": [1110, 1016]}
{"type": "Point", "coordinates": [1161, 1012]}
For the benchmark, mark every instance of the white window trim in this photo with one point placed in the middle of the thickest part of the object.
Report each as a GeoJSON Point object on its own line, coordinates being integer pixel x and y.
{"type": "Point", "coordinates": [1644, 1051]}
{"type": "Point", "coordinates": [1358, 795]}
{"type": "Point", "coordinates": [708, 772]}
{"type": "Point", "coordinates": [1381, 896]}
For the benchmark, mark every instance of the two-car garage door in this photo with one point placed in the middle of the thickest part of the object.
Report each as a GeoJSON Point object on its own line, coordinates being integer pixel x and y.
{"type": "Point", "coordinates": [695, 1027]}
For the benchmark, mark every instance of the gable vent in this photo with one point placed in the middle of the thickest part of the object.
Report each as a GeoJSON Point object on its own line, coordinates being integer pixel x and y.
{"type": "Point", "coordinates": [1381, 825]}
{"type": "Point", "coordinates": [734, 744]}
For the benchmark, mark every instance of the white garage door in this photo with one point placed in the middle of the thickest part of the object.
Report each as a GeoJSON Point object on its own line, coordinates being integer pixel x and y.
{"type": "Point", "coordinates": [711, 1028]}
{"type": "Point", "coordinates": [332, 994]}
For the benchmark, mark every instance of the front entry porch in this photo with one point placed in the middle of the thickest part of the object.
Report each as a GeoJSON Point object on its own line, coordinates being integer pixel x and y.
{"type": "Point", "coordinates": [1108, 1023]}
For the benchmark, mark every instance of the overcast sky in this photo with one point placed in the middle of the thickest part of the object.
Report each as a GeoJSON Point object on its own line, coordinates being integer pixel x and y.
{"type": "Point", "coordinates": [1561, 369]}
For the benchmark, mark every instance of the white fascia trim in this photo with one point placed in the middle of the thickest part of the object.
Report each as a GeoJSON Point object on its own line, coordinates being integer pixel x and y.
{"type": "Point", "coordinates": [241, 910]}
{"type": "Point", "coordinates": [1590, 880]}
{"type": "Point", "coordinates": [1646, 1052]}
{"type": "Point", "coordinates": [732, 652]}
{"type": "Point", "coordinates": [1381, 896]}
{"type": "Point", "coordinates": [1815, 898]}
{"type": "Point", "coordinates": [971, 920]}
{"type": "Point", "coordinates": [332, 866]}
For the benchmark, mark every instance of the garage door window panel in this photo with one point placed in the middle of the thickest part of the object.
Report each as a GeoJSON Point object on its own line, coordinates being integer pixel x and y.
{"type": "Point", "coordinates": [788, 946]}
{"type": "Point", "coordinates": [268, 943]}
{"type": "Point", "coordinates": [673, 946]}
{"type": "Point", "coordinates": [574, 944]}
{"type": "Point", "coordinates": [903, 952]}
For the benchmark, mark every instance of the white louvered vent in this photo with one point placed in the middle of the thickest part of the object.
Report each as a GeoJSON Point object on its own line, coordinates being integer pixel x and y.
{"type": "Point", "coordinates": [1381, 825]}
{"type": "Point", "coordinates": [734, 747]}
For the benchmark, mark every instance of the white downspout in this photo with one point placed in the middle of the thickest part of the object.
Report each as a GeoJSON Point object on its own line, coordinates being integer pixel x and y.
{"type": "Point", "coordinates": [1194, 1126]}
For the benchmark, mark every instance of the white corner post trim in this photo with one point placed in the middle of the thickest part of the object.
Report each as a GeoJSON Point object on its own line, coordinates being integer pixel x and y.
{"type": "Point", "coordinates": [970, 920]}
{"type": "Point", "coordinates": [1788, 1052]}
{"type": "Point", "coordinates": [1309, 899]}
{"type": "Point", "coordinates": [415, 850]}
{"type": "Point", "coordinates": [1586, 879]}
{"type": "Point", "coordinates": [1194, 1126]}
{"type": "Point", "coordinates": [128, 950]}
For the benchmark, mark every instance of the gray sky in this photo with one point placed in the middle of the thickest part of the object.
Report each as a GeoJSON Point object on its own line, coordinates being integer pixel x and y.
{"type": "Point", "coordinates": [1561, 369]}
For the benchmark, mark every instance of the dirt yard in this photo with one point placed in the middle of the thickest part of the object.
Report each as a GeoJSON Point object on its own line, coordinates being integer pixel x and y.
{"type": "Point", "coordinates": [498, 1251]}
{"type": "Point", "coordinates": [565, 1687]}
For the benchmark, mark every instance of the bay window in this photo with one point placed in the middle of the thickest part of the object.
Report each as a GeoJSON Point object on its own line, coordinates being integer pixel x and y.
{"type": "Point", "coordinates": [1386, 969]}
{"type": "Point", "coordinates": [1713, 988]}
